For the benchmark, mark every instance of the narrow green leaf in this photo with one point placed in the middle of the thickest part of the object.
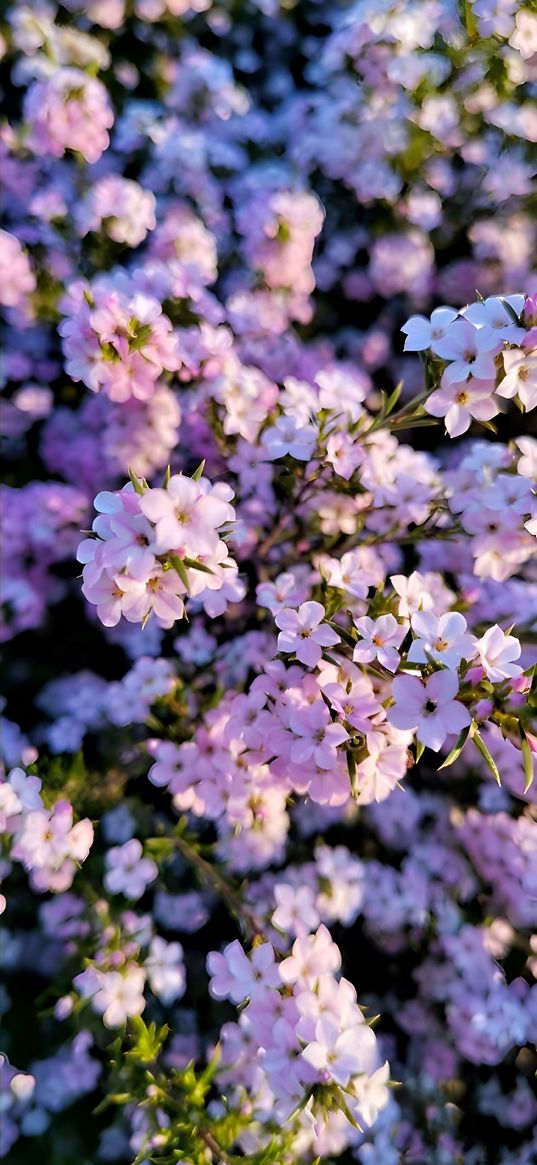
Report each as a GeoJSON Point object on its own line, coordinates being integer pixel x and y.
{"type": "Point", "coordinates": [383, 403]}
{"type": "Point", "coordinates": [344, 635]}
{"type": "Point", "coordinates": [510, 311]}
{"type": "Point", "coordinates": [199, 471]}
{"type": "Point", "coordinates": [195, 565]}
{"type": "Point", "coordinates": [420, 749]}
{"type": "Point", "coordinates": [143, 334]}
{"type": "Point", "coordinates": [394, 397]}
{"type": "Point", "coordinates": [179, 566]}
{"type": "Point", "coordinates": [527, 757]}
{"type": "Point", "coordinates": [482, 748]}
{"type": "Point", "coordinates": [136, 482]}
{"type": "Point", "coordinates": [343, 1106]}
{"type": "Point", "coordinates": [351, 768]}
{"type": "Point", "coordinates": [456, 750]}
{"type": "Point", "coordinates": [166, 478]}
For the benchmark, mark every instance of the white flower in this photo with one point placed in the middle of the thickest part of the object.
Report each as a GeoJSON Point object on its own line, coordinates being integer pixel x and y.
{"type": "Point", "coordinates": [497, 652]}
{"type": "Point", "coordinates": [372, 1095]}
{"type": "Point", "coordinates": [493, 319]}
{"type": "Point", "coordinates": [295, 911]}
{"type": "Point", "coordinates": [288, 435]}
{"type": "Point", "coordinates": [520, 378]}
{"type": "Point", "coordinates": [422, 333]}
{"type": "Point", "coordinates": [469, 353]}
{"type": "Point", "coordinates": [165, 969]}
{"type": "Point", "coordinates": [119, 995]}
{"type": "Point", "coordinates": [338, 1054]}
{"type": "Point", "coordinates": [443, 639]}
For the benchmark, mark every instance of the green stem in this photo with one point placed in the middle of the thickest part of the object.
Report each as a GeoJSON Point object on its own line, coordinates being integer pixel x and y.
{"type": "Point", "coordinates": [209, 874]}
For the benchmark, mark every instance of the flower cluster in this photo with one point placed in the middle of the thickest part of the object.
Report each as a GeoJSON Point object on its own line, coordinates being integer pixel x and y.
{"type": "Point", "coordinates": [304, 1026]}
{"type": "Point", "coordinates": [487, 351]}
{"type": "Point", "coordinates": [116, 339]}
{"type": "Point", "coordinates": [151, 547]}
{"type": "Point", "coordinates": [44, 841]}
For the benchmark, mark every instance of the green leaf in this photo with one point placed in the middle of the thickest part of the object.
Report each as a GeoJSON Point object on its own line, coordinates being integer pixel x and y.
{"type": "Point", "coordinates": [351, 768]}
{"type": "Point", "coordinates": [394, 397]}
{"type": "Point", "coordinates": [195, 565]}
{"type": "Point", "coordinates": [482, 748]}
{"type": "Point", "coordinates": [456, 750]}
{"type": "Point", "coordinates": [137, 483]}
{"type": "Point", "coordinates": [510, 311]}
{"type": "Point", "coordinates": [147, 1040]}
{"type": "Point", "coordinates": [527, 757]}
{"type": "Point", "coordinates": [179, 566]}
{"type": "Point", "coordinates": [198, 472]}
{"type": "Point", "coordinates": [344, 635]}
{"type": "Point", "coordinates": [143, 332]}
{"type": "Point", "coordinates": [343, 1106]}
{"type": "Point", "coordinates": [420, 749]}
{"type": "Point", "coordinates": [166, 478]}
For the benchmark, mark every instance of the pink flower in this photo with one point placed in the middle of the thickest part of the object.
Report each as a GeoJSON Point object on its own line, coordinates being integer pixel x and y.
{"type": "Point", "coordinates": [235, 976]}
{"type": "Point", "coordinates": [114, 994]}
{"type": "Point", "coordinates": [161, 593]}
{"type": "Point", "coordinates": [127, 871]}
{"type": "Point", "coordinates": [316, 735]}
{"type": "Point", "coordinates": [311, 956]}
{"type": "Point", "coordinates": [68, 110]}
{"type": "Point", "coordinates": [497, 652]}
{"type": "Point", "coordinates": [116, 338]}
{"type": "Point", "coordinates": [414, 594]}
{"type": "Point", "coordinates": [303, 633]}
{"type": "Point", "coordinates": [295, 912]}
{"type": "Point", "coordinates": [45, 841]}
{"type": "Point", "coordinates": [459, 403]}
{"type": "Point", "coordinates": [524, 38]}
{"type": "Point", "coordinates": [429, 709]}
{"type": "Point", "coordinates": [120, 207]}
{"type": "Point", "coordinates": [379, 639]}
{"type": "Point", "coordinates": [186, 515]}
{"type": "Point", "coordinates": [17, 280]}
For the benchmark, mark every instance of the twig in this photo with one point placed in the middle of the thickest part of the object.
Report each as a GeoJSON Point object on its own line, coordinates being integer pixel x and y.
{"type": "Point", "coordinates": [211, 875]}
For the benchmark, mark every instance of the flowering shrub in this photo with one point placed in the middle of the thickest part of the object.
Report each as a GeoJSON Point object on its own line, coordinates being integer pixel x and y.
{"type": "Point", "coordinates": [266, 818]}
